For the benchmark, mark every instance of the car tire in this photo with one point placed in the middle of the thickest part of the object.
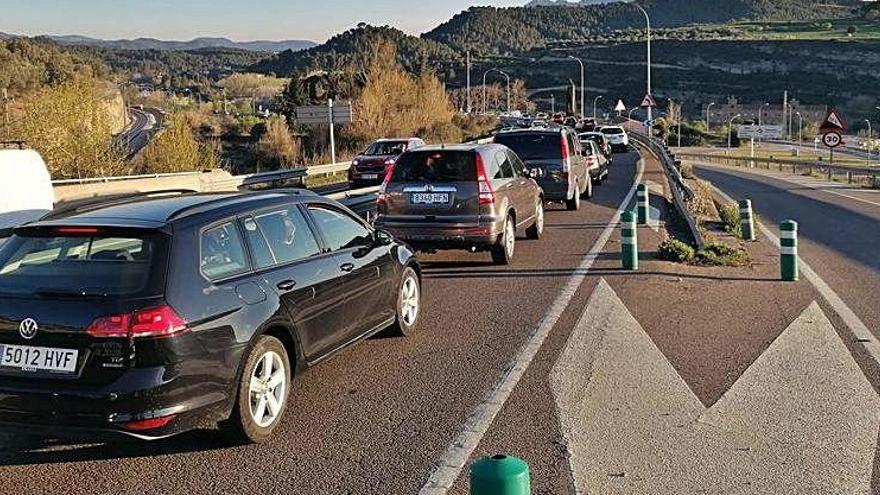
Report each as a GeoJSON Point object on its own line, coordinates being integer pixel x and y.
{"type": "Point", "coordinates": [502, 253]}
{"type": "Point", "coordinates": [537, 229]}
{"type": "Point", "coordinates": [574, 204]}
{"type": "Point", "coordinates": [409, 304]}
{"type": "Point", "coordinates": [267, 368]}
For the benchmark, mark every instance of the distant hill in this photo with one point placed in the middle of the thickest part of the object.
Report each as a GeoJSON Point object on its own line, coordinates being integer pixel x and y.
{"type": "Point", "coordinates": [493, 30]}
{"type": "Point", "coordinates": [195, 44]}
{"type": "Point", "coordinates": [352, 49]}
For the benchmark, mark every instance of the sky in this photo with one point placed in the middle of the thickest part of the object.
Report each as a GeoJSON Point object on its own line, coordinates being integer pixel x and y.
{"type": "Point", "coordinates": [239, 20]}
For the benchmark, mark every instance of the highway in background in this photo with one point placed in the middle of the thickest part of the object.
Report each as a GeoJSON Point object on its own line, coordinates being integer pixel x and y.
{"type": "Point", "coordinates": [144, 123]}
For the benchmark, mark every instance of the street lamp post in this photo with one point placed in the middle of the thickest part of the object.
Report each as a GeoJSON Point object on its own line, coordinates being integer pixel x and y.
{"type": "Point", "coordinates": [730, 129]}
{"type": "Point", "coordinates": [708, 107]}
{"type": "Point", "coordinates": [630, 115]}
{"type": "Point", "coordinates": [868, 142]}
{"type": "Point", "coordinates": [648, 31]}
{"type": "Point", "coordinates": [583, 70]}
{"type": "Point", "coordinates": [507, 76]}
{"type": "Point", "coordinates": [800, 133]}
{"type": "Point", "coordinates": [595, 101]}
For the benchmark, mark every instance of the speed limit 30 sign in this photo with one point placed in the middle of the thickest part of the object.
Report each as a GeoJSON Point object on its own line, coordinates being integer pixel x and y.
{"type": "Point", "coordinates": [832, 139]}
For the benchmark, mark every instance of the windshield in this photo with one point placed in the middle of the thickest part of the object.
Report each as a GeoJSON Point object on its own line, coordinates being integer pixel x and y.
{"type": "Point", "coordinates": [83, 265]}
{"type": "Point", "coordinates": [531, 146]}
{"type": "Point", "coordinates": [436, 166]}
{"type": "Point", "coordinates": [612, 130]}
{"type": "Point", "coordinates": [386, 148]}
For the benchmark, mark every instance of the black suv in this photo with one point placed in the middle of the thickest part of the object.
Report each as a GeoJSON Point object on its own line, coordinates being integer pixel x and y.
{"type": "Point", "coordinates": [153, 315]}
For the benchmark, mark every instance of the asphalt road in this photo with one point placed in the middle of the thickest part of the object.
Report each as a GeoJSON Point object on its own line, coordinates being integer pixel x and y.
{"type": "Point", "coordinates": [144, 124]}
{"type": "Point", "coordinates": [839, 228]}
{"type": "Point", "coordinates": [373, 420]}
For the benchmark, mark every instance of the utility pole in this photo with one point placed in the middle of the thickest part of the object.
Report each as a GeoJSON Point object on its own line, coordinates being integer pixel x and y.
{"type": "Point", "coordinates": [800, 133]}
{"type": "Point", "coordinates": [552, 103]}
{"type": "Point", "coordinates": [6, 111]}
{"type": "Point", "coordinates": [868, 142]}
{"type": "Point", "coordinates": [678, 114]}
{"type": "Point", "coordinates": [469, 108]}
{"type": "Point", "coordinates": [708, 120]}
{"type": "Point", "coordinates": [785, 111]}
{"type": "Point", "coordinates": [595, 101]}
{"type": "Point", "coordinates": [583, 90]}
{"type": "Point", "coordinates": [332, 133]}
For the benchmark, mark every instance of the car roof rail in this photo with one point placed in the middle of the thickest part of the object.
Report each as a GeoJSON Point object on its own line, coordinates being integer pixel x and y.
{"type": "Point", "coordinates": [241, 194]}
{"type": "Point", "coordinates": [73, 207]}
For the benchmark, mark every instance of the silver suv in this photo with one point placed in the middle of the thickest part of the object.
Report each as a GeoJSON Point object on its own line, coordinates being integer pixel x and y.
{"type": "Point", "coordinates": [474, 197]}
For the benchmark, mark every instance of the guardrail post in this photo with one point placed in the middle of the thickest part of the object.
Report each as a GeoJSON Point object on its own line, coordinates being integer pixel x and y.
{"type": "Point", "coordinates": [747, 219]}
{"type": "Point", "coordinates": [629, 242]}
{"type": "Point", "coordinates": [642, 205]}
{"type": "Point", "coordinates": [788, 242]}
{"type": "Point", "coordinates": [500, 475]}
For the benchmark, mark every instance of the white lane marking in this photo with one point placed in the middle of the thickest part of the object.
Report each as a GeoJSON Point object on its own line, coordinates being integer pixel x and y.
{"type": "Point", "coordinates": [459, 451]}
{"type": "Point", "coordinates": [855, 325]}
{"type": "Point", "coordinates": [790, 180]}
{"type": "Point", "coordinates": [801, 419]}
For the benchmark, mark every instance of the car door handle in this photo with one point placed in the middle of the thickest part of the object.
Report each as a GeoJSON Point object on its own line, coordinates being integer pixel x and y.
{"type": "Point", "coordinates": [286, 285]}
{"type": "Point", "coordinates": [347, 267]}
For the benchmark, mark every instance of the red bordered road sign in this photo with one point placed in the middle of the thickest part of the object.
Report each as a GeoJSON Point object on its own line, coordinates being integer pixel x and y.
{"type": "Point", "coordinates": [834, 122]}
{"type": "Point", "coordinates": [649, 102]}
{"type": "Point", "coordinates": [832, 139]}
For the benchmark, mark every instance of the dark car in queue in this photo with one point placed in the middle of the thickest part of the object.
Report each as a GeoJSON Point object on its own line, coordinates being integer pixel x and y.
{"type": "Point", "coordinates": [370, 167]}
{"type": "Point", "coordinates": [149, 317]}
{"type": "Point", "coordinates": [474, 197]}
{"type": "Point", "coordinates": [601, 141]}
{"type": "Point", "coordinates": [557, 153]}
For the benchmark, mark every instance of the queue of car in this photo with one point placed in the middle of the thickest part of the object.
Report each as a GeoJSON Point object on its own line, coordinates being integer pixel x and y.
{"type": "Point", "coordinates": [150, 314]}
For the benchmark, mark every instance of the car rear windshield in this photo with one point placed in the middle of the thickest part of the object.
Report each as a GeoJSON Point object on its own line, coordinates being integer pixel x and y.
{"type": "Point", "coordinates": [386, 148]}
{"type": "Point", "coordinates": [533, 145]}
{"type": "Point", "coordinates": [612, 130]}
{"type": "Point", "coordinates": [436, 166]}
{"type": "Point", "coordinates": [83, 264]}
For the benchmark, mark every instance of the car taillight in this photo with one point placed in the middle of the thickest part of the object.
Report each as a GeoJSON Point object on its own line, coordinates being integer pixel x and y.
{"type": "Point", "coordinates": [566, 165]}
{"type": "Point", "coordinates": [487, 194]}
{"type": "Point", "coordinates": [156, 322]}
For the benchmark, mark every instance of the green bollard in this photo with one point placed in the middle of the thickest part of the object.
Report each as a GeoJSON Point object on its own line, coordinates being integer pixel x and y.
{"type": "Point", "coordinates": [629, 243]}
{"type": "Point", "coordinates": [642, 205]}
{"type": "Point", "coordinates": [747, 219]}
{"type": "Point", "coordinates": [500, 475]}
{"type": "Point", "coordinates": [788, 241]}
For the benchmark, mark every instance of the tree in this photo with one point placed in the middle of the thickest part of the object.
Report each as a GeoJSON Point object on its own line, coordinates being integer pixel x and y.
{"type": "Point", "coordinates": [178, 150]}
{"type": "Point", "coordinates": [71, 126]}
{"type": "Point", "coordinates": [294, 95]}
{"type": "Point", "coordinates": [277, 148]}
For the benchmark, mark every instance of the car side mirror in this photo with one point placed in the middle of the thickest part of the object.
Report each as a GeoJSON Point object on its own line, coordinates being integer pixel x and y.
{"type": "Point", "coordinates": [382, 238]}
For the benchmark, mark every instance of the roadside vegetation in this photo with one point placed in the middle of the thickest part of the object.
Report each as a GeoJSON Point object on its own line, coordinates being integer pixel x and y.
{"type": "Point", "coordinates": [730, 219]}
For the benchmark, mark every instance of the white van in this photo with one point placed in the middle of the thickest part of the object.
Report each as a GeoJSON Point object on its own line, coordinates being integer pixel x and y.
{"type": "Point", "coordinates": [26, 192]}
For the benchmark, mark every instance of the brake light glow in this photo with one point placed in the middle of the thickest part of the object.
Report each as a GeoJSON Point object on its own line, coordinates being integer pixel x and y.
{"type": "Point", "coordinates": [148, 424]}
{"type": "Point", "coordinates": [156, 322]}
{"type": "Point", "coordinates": [487, 194]}
{"type": "Point", "coordinates": [77, 230]}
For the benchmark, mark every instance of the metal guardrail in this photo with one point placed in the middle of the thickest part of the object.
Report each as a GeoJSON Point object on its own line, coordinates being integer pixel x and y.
{"type": "Point", "coordinates": [852, 173]}
{"type": "Point", "coordinates": [681, 191]}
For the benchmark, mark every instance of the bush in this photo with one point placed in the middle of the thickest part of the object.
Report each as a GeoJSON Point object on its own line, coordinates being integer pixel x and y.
{"type": "Point", "coordinates": [177, 149]}
{"type": "Point", "coordinates": [687, 170]}
{"type": "Point", "coordinates": [730, 218]}
{"type": "Point", "coordinates": [718, 254]}
{"type": "Point", "coordinates": [277, 148]}
{"type": "Point", "coordinates": [674, 250]}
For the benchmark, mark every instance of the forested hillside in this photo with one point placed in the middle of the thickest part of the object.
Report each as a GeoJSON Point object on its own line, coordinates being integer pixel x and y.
{"type": "Point", "coordinates": [492, 30]}
{"type": "Point", "coordinates": [27, 65]}
{"type": "Point", "coordinates": [353, 49]}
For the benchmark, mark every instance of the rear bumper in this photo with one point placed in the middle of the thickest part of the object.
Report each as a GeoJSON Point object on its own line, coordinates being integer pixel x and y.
{"type": "Point", "coordinates": [556, 190]}
{"type": "Point", "coordinates": [423, 235]}
{"type": "Point", "coordinates": [139, 394]}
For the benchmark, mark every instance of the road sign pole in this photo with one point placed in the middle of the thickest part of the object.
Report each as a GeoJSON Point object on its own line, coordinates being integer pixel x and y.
{"type": "Point", "coordinates": [332, 133]}
{"type": "Point", "coordinates": [788, 231]}
{"type": "Point", "coordinates": [752, 154]}
{"type": "Point", "coordinates": [500, 475]}
{"type": "Point", "coordinates": [747, 220]}
{"type": "Point", "coordinates": [629, 243]}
